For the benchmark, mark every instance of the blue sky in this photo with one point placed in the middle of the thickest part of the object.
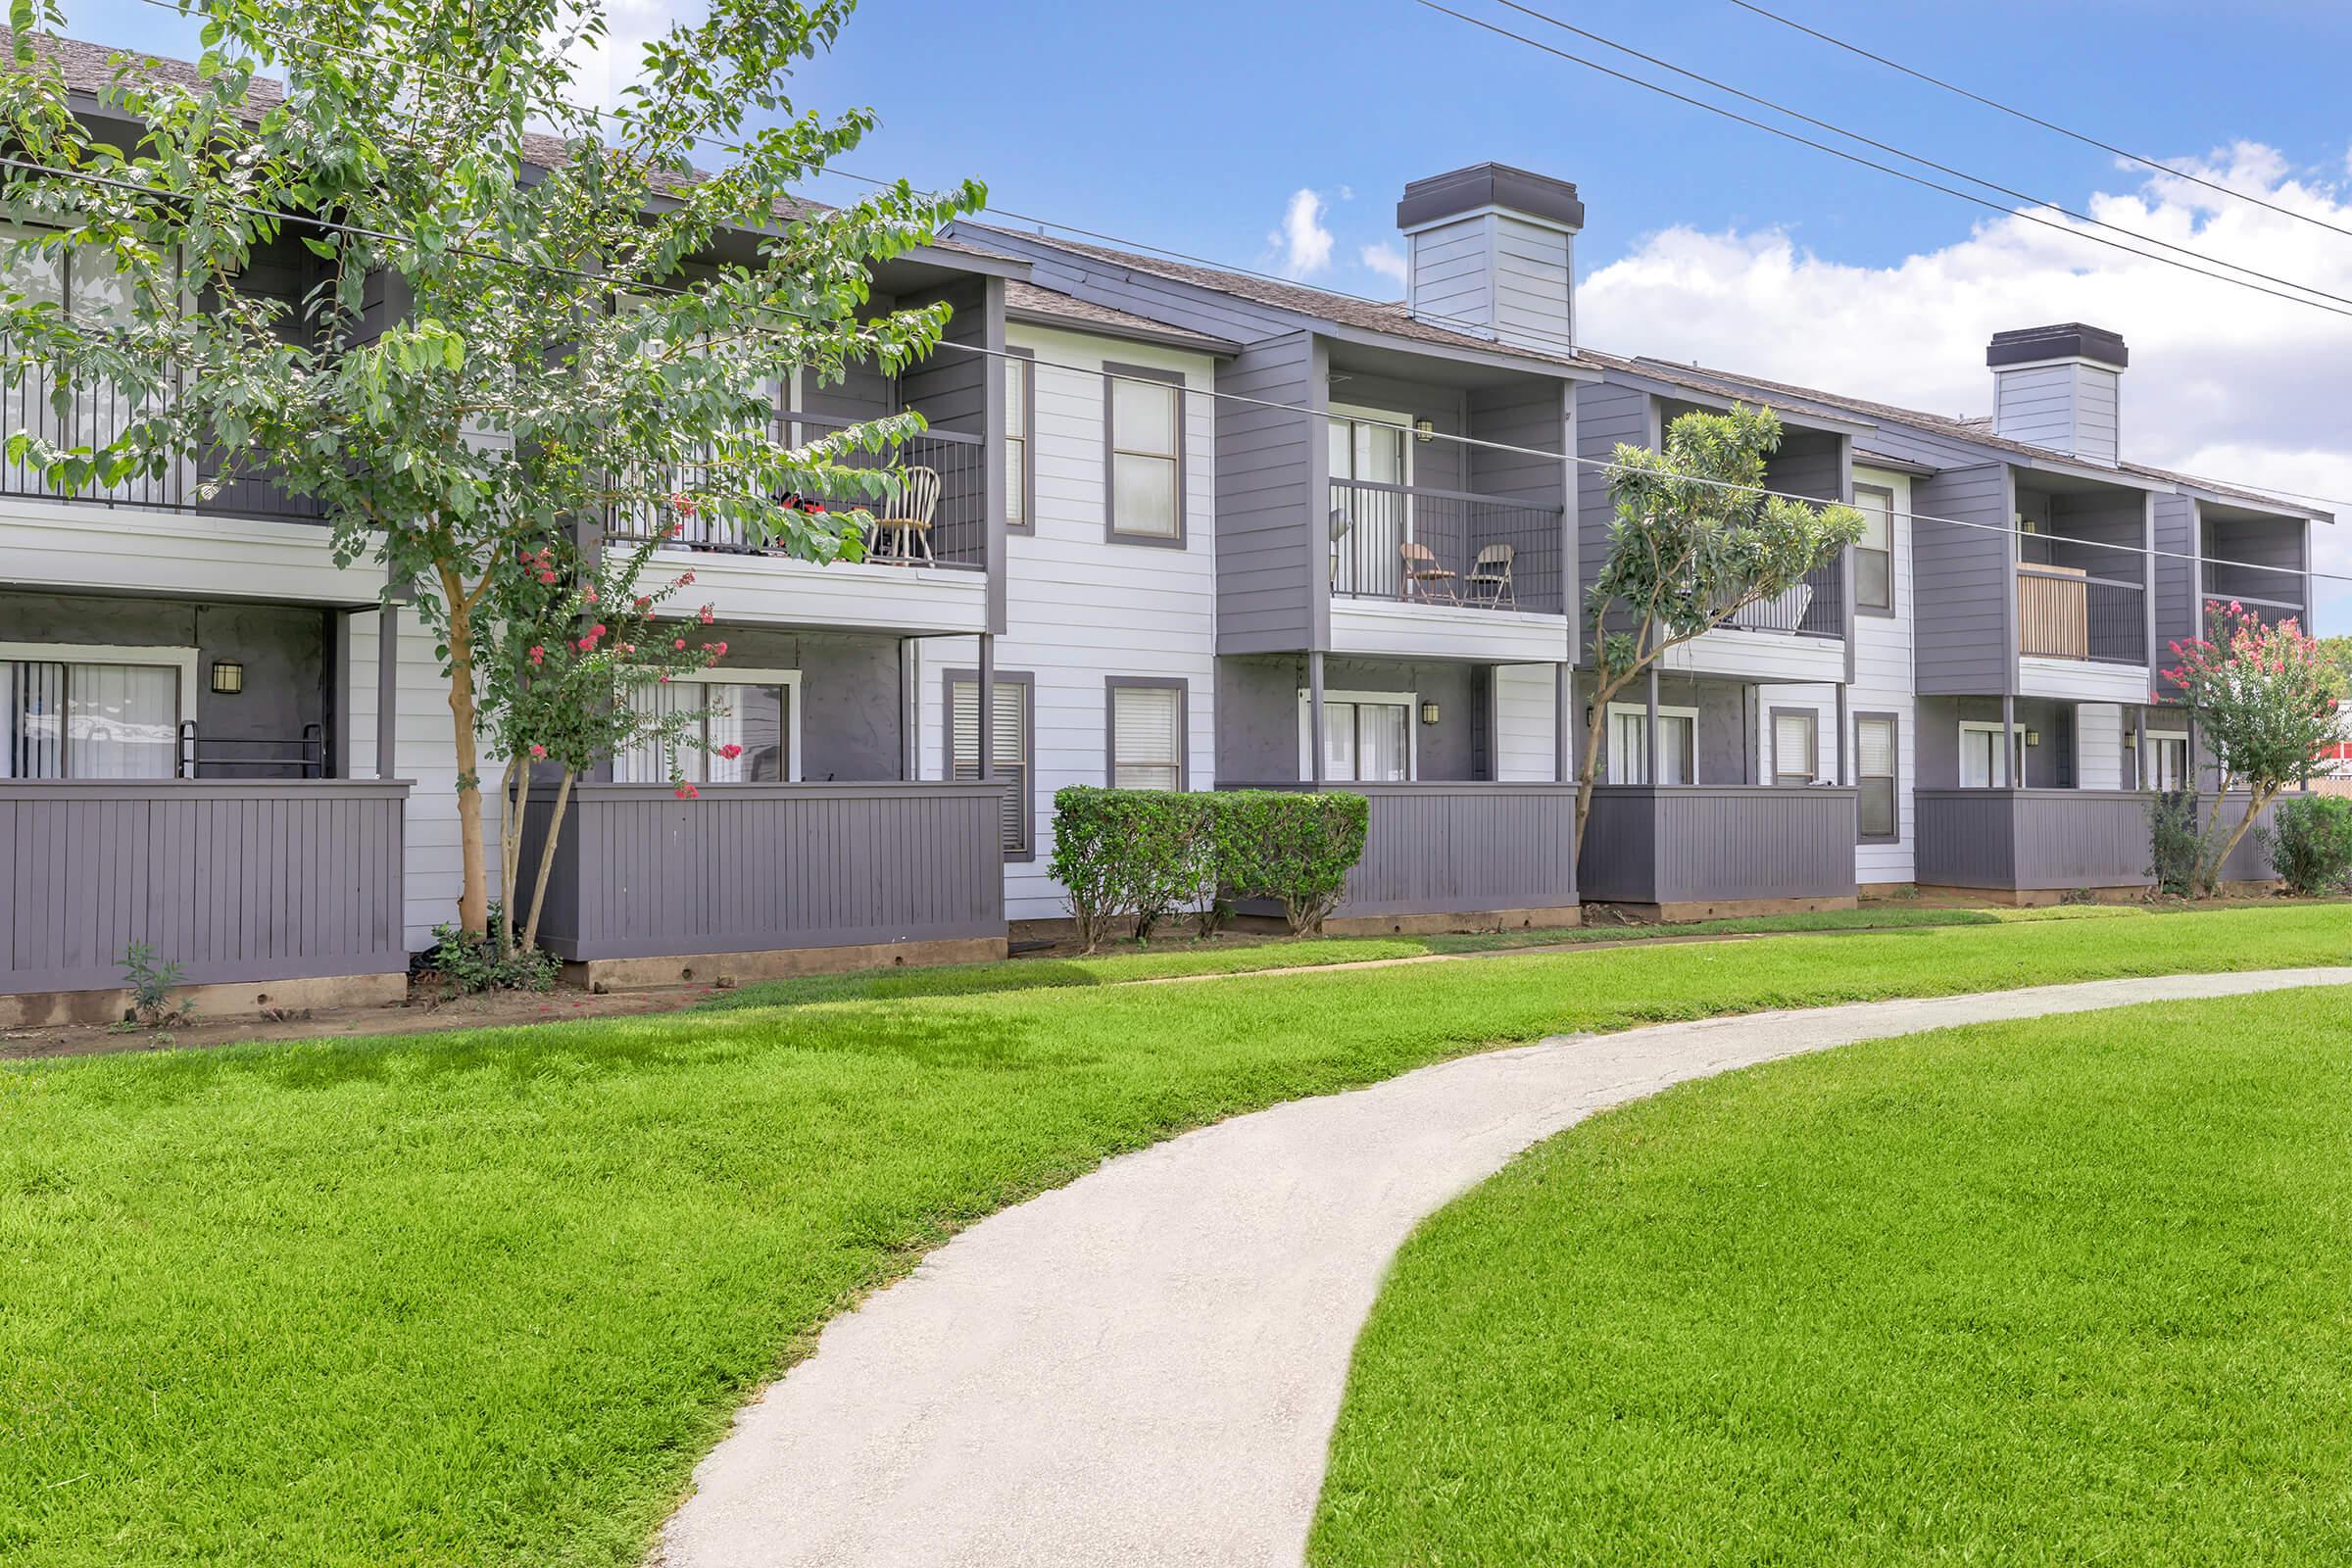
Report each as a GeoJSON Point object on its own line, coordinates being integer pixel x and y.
{"type": "Point", "coordinates": [1199, 124]}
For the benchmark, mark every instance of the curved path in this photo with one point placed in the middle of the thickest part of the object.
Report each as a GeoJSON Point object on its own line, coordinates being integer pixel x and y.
{"type": "Point", "coordinates": [1143, 1367]}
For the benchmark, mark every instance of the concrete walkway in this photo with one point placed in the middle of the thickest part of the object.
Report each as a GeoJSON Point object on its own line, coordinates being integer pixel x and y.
{"type": "Point", "coordinates": [1142, 1368]}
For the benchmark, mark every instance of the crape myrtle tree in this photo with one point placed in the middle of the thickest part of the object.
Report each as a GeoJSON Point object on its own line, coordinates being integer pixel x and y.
{"type": "Point", "coordinates": [2264, 698]}
{"type": "Point", "coordinates": [529, 316]}
{"type": "Point", "coordinates": [1694, 540]}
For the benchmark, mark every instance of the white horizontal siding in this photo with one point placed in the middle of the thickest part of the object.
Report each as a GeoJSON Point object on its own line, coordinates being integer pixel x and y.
{"type": "Point", "coordinates": [1526, 715]}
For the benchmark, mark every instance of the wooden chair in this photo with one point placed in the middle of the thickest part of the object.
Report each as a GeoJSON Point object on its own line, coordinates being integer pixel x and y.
{"type": "Point", "coordinates": [904, 537]}
{"type": "Point", "coordinates": [1420, 576]}
{"type": "Point", "coordinates": [1490, 580]}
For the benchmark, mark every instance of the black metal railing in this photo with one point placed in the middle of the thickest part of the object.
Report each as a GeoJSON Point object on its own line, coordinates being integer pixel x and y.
{"type": "Point", "coordinates": [203, 755]}
{"type": "Point", "coordinates": [2272, 594]}
{"type": "Point", "coordinates": [2064, 612]}
{"type": "Point", "coordinates": [956, 528]}
{"type": "Point", "coordinates": [1814, 607]}
{"type": "Point", "coordinates": [95, 413]}
{"type": "Point", "coordinates": [1443, 547]}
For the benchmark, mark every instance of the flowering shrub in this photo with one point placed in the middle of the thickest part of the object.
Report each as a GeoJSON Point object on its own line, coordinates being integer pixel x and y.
{"type": "Point", "coordinates": [2312, 848]}
{"type": "Point", "coordinates": [2264, 698]}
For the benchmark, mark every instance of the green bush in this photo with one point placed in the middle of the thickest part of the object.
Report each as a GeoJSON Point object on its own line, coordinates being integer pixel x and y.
{"type": "Point", "coordinates": [2174, 842]}
{"type": "Point", "coordinates": [2312, 845]}
{"type": "Point", "coordinates": [1147, 854]}
{"type": "Point", "coordinates": [472, 963]}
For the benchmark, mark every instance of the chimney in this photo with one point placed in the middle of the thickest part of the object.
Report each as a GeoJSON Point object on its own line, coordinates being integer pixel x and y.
{"type": "Point", "coordinates": [1492, 251]}
{"type": "Point", "coordinates": [2060, 387]}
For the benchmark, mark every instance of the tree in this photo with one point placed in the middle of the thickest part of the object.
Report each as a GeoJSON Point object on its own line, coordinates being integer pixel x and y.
{"type": "Point", "coordinates": [512, 332]}
{"type": "Point", "coordinates": [1694, 541]}
{"type": "Point", "coordinates": [2264, 699]}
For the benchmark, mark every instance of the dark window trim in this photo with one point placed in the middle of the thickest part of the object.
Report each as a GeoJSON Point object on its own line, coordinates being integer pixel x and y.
{"type": "Point", "coordinates": [947, 745]}
{"type": "Point", "coordinates": [1111, 685]}
{"type": "Point", "coordinates": [1111, 374]}
{"type": "Point", "coordinates": [1027, 526]}
{"type": "Point", "coordinates": [1812, 718]}
{"type": "Point", "coordinates": [1896, 794]}
{"type": "Point", "coordinates": [1863, 607]}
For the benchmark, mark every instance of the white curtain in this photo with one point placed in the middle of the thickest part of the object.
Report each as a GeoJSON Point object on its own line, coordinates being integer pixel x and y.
{"type": "Point", "coordinates": [1675, 748]}
{"type": "Point", "coordinates": [1339, 740]}
{"type": "Point", "coordinates": [122, 720]}
{"type": "Point", "coordinates": [1383, 741]}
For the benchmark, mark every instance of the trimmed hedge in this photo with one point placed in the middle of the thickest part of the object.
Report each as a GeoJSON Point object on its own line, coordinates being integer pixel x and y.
{"type": "Point", "coordinates": [1147, 854]}
{"type": "Point", "coordinates": [2311, 846]}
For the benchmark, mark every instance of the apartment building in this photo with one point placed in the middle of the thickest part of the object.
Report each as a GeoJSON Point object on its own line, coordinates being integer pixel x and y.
{"type": "Point", "coordinates": [1194, 529]}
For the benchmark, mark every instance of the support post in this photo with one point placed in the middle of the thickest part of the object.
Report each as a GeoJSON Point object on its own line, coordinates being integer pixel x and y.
{"type": "Point", "coordinates": [2139, 747]}
{"type": "Point", "coordinates": [1314, 716]}
{"type": "Point", "coordinates": [2013, 766]}
{"type": "Point", "coordinates": [910, 747]}
{"type": "Point", "coordinates": [1649, 733]}
{"type": "Point", "coordinates": [1846, 726]}
{"type": "Point", "coordinates": [387, 690]}
{"type": "Point", "coordinates": [1563, 699]}
{"type": "Point", "coordinates": [987, 706]}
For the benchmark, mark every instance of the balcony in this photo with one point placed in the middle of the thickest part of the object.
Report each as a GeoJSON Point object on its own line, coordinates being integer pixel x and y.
{"type": "Point", "coordinates": [1692, 852]}
{"type": "Point", "coordinates": [1453, 548]}
{"type": "Point", "coordinates": [1814, 607]}
{"type": "Point", "coordinates": [2065, 612]}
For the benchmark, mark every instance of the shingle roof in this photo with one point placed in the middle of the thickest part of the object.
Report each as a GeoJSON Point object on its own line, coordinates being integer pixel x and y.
{"type": "Point", "coordinates": [1038, 303]}
{"type": "Point", "coordinates": [1344, 310]}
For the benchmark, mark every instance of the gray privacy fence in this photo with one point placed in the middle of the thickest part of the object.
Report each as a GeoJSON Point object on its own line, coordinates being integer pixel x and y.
{"type": "Point", "coordinates": [2043, 841]}
{"type": "Point", "coordinates": [1458, 849]}
{"type": "Point", "coordinates": [234, 880]}
{"type": "Point", "coordinates": [752, 868]}
{"type": "Point", "coordinates": [1681, 844]}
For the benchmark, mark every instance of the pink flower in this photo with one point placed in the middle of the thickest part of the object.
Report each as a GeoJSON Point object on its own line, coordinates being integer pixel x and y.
{"type": "Point", "coordinates": [644, 603]}
{"type": "Point", "coordinates": [590, 594]}
{"type": "Point", "coordinates": [730, 750]}
{"type": "Point", "coordinates": [599, 628]}
{"type": "Point", "coordinates": [719, 649]}
{"type": "Point", "coordinates": [538, 752]}
{"type": "Point", "coordinates": [678, 643]}
{"type": "Point", "coordinates": [674, 530]}
{"type": "Point", "coordinates": [707, 615]}
{"type": "Point", "coordinates": [686, 581]}
{"type": "Point", "coordinates": [587, 645]}
{"type": "Point", "coordinates": [537, 653]}
{"type": "Point", "coordinates": [687, 792]}
{"type": "Point", "coordinates": [666, 680]}
{"type": "Point", "coordinates": [681, 503]}
{"type": "Point", "coordinates": [547, 576]}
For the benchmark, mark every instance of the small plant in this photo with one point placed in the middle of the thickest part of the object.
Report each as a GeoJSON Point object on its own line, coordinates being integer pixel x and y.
{"type": "Point", "coordinates": [2078, 895]}
{"type": "Point", "coordinates": [150, 984]}
{"type": "Point", "coordinates": [2174, 843]}
{"type": "Point", "coordinates": [2311, 846]}
{"type": "Point", "coordinates": [470, 963]}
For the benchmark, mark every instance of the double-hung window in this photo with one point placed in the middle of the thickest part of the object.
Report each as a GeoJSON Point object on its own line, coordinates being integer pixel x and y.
{"type": "Point", "coordinates": [2167, 760]}
{"type": "Point", "coordinates": [751, 712]}
{"type": "Point", "coordinates": [1874, 554]}
{"type": "Point", "coordinates": [1628, 749]}
{"type": "Point", "coordinates": [1795, 748]}
{"type": "Point", "coordinates": [1874, 772]}
{"type": "Point", "coordinates": [1147, 734]}
{"type": "Point", "coordinates": [1367, 737]}
{"type": "Point", "coordinates": [1983, 758]}
{"type": "Point", "coordinates": [1011, 723]}
{"type": "Point", "coordinates": [93, 712]}
{"type": "Point", "coordinates": [1144, 431]}
{"type": "Point", "coordinates": [1020, 413]}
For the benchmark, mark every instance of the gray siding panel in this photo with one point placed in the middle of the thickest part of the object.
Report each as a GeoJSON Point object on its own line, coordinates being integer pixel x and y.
{"type": "Point", "coordinates": [757, 867]}
{"type": "Point", "coordinates": [2032, 840]}
{"type": "Point", "coordinates": [245, 880]}
{"type": "Point", "coordinates": [1460, 849]}
{"type": "Point", "coordinates": [1647, 844]}
{"type": "Point", "coordinates": [1266, 515]}
{"type": "Point", "coordinates": [1962, 576]}
{"type": "Point", "coordinates": [1607, 414]}
{"type": "Point", "coordinates": [2175, 577]}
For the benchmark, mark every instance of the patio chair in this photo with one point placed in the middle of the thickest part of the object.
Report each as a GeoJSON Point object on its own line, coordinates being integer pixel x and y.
{"type": "Point", "coordinates": [1490, 580]}
{"type": "Point", "coordinates": [1422, 578]}
{"type": "Point", "coordinates": [904, 538]}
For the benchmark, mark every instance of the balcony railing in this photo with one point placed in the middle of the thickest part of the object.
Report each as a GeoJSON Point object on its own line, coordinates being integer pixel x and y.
{"type": "Point", "coordinates": [1814, 607]}
{"type": "Point", "coordinates": [2064, 612]}
{"type": "Point", "coordinates": [958, 519]}
{"type": "Point", "coordinates": [95, 414]}
{"type": "Point", "coordinates": [1443, 547]}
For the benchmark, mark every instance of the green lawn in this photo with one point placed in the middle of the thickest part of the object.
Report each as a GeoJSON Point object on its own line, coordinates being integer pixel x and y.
{"type": "Point", "coordinates": [484, 1298]}
{"type": "Point", "coordinates": [2072, 1291]}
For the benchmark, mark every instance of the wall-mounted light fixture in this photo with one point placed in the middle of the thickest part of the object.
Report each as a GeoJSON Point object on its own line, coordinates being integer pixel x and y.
{"type": "Point", "coordinates": [2131, 740]}
{"type": "Point", "coordinates": [1425, 430]}
{"type": "Point", "coordinates": [228, 676]}
{"type": "Point", "coordinates": [2032, 737]}
{"type": "Point", "coordinates": [1429, 713]}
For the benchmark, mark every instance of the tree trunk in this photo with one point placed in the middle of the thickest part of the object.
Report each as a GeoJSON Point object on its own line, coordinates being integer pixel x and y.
{"type": "Point", "coordinates": [2209, 875]}
{"type": "Point", "coordinates": [547, 861]}
{"type": "Point", "coordinates": [514, 793]}
{"type": "Point", "coordinates": [474, 895]}
{"type": "Point", "coordinates": [1588, 773]}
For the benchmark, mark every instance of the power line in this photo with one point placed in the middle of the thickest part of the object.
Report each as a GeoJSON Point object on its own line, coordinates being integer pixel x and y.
{"type": "Point", "coordinates": [1912, 157]}
{"type": "Point", "coordinates": [1885, 169]}
{"type": "Point", "coordinates": [2033, 119]}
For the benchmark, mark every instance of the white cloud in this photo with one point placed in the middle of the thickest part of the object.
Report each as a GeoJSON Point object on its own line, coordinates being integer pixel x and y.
{"type": "Point", "coordinates": [2223, 381]}
{"type": "Point", "coordinates": [603, 71]}
{"type": "Point", "coordinates": [1302, 243]}
{"type": "Point", "coordinates": [1385, 259]}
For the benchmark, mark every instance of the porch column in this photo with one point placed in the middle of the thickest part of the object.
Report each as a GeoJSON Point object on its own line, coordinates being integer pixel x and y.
{"type": "Point", "coordinates": [1649, 737]}
{"type": "Point", "coordinates": [2012, 764]}
{"type": "Point", "coordinates": [1844, 724]}
{"type": "Point", "coordinates": [1563, 698]}
{"type": "Point", "coordinates": [387, 689]}
{"type": "Point", "coordinates": [1314, 716]}
{"type": "Point", "coordinates": [2139, 747]}
{"type": "Point", "coordinates": [910, 743]}
{"type": "Point", "coordinates": [987, 706]}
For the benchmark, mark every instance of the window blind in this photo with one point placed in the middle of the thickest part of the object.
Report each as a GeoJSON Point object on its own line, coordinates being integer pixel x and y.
{"type": "Point", "coordinates": [1013, 750]}
{"type": "Point", "coordinates": [1792, 749]}
{"type": "Point", "coordinates": [1875, 773]}
{"type": "Point", "coordinates": [1146, 737]}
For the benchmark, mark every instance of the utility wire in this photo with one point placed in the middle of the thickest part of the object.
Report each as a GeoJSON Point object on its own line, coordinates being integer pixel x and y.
{"type": "Point", "coordinates": [2033, 119]}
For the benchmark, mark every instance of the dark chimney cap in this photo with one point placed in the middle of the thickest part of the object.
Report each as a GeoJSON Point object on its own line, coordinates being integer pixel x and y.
{"type": "Point", "coordinates": [1465, 190]}
{"type": "Point", "coordinates": [2066, 341]}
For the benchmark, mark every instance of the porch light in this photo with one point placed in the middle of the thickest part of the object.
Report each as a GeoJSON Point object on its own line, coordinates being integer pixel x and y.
{"type": "Point", "coordinates": [1425, 430]}
{"type": "Point", "coordinates": [1429, 713]}
{"type": "Point", "coordinates": [2032, 737]}
{"type": "Point", "coordinates": [228, 676]}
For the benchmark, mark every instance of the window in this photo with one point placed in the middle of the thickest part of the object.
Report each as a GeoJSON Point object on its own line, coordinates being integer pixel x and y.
{"type": "Point", "coordinates": [1628, 750]}
{"type": "Point", "coordinates": [1983, 758]}
{"type": "Point", "coordinates": [753, 710]}
{"type": "Point", "coordinates": [2167, 761]}
{"type": "Point", "coordinates": [93, 712]}
{"type": "Point", "coordinates": [1010, 721]}
{"type": "Point", "coordinates": [1874, 772]}
{"type": "Point", "coordinates": [1796, 752]}
{"type": "Point", "coordinates": [1367, 737]}
{"type": "Point", "coordinates": [1369, 444]}
{"type": "Point", "coordinates": [1145, 432]}
{"type": "Point", "coordinates": [1147, 734]}
{"type": "Point", "coordinates": [1874, 555]}
{"type": "Point", "coordinates": [1368, 450]}
{"type": "Point", "coordinates": [1020, 415]}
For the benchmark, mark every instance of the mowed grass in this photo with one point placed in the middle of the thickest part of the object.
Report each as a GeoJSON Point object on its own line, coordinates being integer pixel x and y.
{"type": "Point", "coordinates": [485, 1298]}
{"type": "Point", "coordinates": [2070, 1291]}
